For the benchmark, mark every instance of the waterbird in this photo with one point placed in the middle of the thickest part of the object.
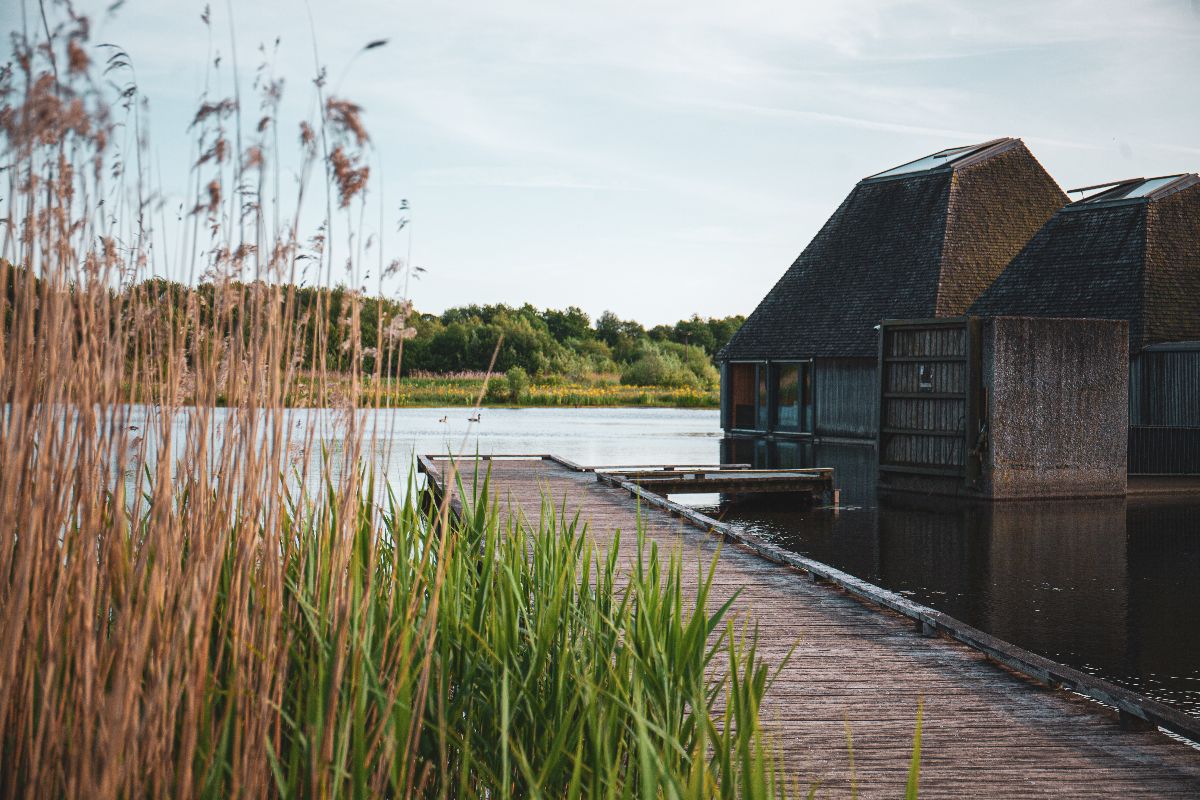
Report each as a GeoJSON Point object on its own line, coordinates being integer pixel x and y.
{"type": "Point", "coordinates": [474, 417]}
{"type": "Point", "coordinates": [444, 419]}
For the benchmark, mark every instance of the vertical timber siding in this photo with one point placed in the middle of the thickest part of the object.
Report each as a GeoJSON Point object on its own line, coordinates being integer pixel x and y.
{"type": "Point", "coordinates": [1164, 410]}
{"type": "Point", "coordinates": [845, 397]}
{"type": "Point", "coordinates": [924, 422]}
{"type": "Point", "coordinates": [1164, 387]}
{"type": "Point", "coordinates": [1164, 451]}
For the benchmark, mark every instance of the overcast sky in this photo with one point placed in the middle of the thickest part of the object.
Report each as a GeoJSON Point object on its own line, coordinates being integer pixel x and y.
{"type": "Point", "coordinates": [665, 158]}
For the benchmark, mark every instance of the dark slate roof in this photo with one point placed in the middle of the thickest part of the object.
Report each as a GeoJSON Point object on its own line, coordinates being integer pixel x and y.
{"type": "Point", "coordinates": [1113, 256]}
{"type": "Point", "coordinates": [903, 244]}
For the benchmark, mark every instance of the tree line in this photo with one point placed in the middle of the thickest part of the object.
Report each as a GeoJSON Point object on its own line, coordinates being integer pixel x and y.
{"type": "Point", "coordinates": [566, 343]}
{"type": "Point", "coordinates": [546, 344]}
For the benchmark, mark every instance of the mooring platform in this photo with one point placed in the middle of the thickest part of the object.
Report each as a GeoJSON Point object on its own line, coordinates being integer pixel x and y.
{"type": "Point", "coordinates": [811, 486]}
{"type": "Point", "coordinates": [998, 721]}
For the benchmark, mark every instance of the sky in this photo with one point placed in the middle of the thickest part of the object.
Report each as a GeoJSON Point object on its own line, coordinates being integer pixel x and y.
{"type": "Point", "coordinates": [660, 159]}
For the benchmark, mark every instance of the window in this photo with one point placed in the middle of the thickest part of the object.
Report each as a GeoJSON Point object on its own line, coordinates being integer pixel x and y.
{"type": "Point", "coordinates": [787, 396]}
{"type": "Point", "coordinates": [938, 159]}
{"type": "Point", "coordinates": [762, 401]}
{"type": "Point", "coordinates": [742, 395]}
{"type": "Point", "coordinates": [792, 392]}
{"type": "Point", "coordinates": [1127, 190]}
{"type": "Point", "coordinates": [768, 397]}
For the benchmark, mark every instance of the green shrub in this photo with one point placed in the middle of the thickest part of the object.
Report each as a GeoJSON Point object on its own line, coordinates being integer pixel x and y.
{"type": "Point", "coordinates": [517, 381]}
{"type": "Point", "coordinates": [497, 390]}
{"type": "Point", "coordinates": [653, 366]}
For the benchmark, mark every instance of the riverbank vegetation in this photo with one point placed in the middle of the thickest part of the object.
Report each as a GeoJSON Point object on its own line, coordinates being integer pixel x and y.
{"type": "Point", "coordinates": [439, 359]}
{"type": "Point", "coordinates": [187, 608]}
{"type": "Point", "coordinates": [514, 388]}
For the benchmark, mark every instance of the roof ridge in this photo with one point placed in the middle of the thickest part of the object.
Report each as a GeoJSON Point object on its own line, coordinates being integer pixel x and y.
{"type": "Point", "coordinates": [954, 156]}
{"type": "Point", "coordinates": [986, 151]}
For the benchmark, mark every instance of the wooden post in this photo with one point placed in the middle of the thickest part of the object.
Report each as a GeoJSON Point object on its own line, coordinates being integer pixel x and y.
{"type": "Point", "coordinates": [1132, 722]}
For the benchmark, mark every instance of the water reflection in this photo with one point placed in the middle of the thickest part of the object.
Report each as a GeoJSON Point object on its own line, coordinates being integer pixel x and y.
{"type": "Point", "coordinates": [1108, 586]}
{"type": "Point", "coordinates": [392, 436]}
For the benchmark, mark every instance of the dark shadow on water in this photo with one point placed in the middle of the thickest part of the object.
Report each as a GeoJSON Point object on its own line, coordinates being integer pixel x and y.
{"type": "Point", "coordinates": [1111, 586]}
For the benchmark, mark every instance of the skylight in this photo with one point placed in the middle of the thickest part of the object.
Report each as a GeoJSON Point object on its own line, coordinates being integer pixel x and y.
{"type": "Point", "coordinates": [1151, 185]}
{"type": "Point", "coordinates": [1129, 190]}
{"type": "Point", "coordinates": [938, 159]}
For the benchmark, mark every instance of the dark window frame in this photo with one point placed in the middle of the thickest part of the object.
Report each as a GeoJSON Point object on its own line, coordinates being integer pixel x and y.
{"type": "Point", "coordinates": [748, 420]}
{"type": "Point", "coordinates": [803, 404]}
{"type": "Point", "coordinates": [761, 415]}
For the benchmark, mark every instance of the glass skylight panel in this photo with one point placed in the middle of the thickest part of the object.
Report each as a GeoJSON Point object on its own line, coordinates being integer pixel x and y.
{"type": "Point", "coordinates": [1129, 191]}
{"type": "Point", "coordinates": [939, 159]}
{"type": "Point", "coordinates": [1151, 185]}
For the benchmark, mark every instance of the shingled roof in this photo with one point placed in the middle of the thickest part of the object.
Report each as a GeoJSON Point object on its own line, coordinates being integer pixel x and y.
{"type": "Point", "coordinates": [916, 241]}
{"type": "Point", "coordinates": [1131, 252]}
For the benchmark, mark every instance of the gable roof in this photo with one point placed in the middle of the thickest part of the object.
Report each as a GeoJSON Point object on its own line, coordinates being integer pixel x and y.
{"type": "Point", "coordinates": [1130, 252]}
{"type": "Point", "coordinates": [919, 240]}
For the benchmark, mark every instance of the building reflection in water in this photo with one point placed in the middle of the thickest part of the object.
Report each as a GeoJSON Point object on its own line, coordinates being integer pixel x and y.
{"type": "Point", "coordinates": [1108, 586]}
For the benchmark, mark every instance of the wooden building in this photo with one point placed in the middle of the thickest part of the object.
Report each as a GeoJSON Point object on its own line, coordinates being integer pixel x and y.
{"type": "Point", "coordinates": [1003, 408]}
{"type": "Point", "coordinates": [1129, 252]}
{"type": "Point", "coordinates": [921, 240]}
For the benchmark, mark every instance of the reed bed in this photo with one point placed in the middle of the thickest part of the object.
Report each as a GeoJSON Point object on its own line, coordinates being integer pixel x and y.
{"type": "Point", "coordinates": [180, 615]}
{"type": "Point", "coordinates": [444, 391]}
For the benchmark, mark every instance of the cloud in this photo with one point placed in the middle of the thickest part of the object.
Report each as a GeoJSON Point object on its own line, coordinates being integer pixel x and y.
{"type": "Point", "coordinates": [717, 131]}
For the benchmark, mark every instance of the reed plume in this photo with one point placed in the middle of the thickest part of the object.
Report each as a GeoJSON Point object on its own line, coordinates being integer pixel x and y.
{"type": "Point", "coordinates": [199, 597]}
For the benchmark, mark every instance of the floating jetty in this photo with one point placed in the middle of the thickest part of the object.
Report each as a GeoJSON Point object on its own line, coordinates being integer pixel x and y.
{"type": "Point", "coordinates": [999, 721]}
{"type": "Point", "coordinates": [809, 486]}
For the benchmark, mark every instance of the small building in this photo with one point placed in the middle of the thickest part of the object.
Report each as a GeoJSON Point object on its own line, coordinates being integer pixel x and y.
{"type": "Point", "coordinates": [1003, 408]}
{"type": "Point", "coordinates": [918, 241]}
{"type": "Point", "coordinates": [1129, 252]}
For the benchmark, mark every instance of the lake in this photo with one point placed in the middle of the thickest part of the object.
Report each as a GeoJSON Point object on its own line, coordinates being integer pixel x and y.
{"type": "Point", "coordinates": [1107, 586]}
{"type": "Point", "coordinates": [1111, 587]}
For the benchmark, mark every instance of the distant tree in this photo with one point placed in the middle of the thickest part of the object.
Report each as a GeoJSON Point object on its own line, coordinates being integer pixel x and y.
{"type": "Point", "coordinates": [608, 328]}
{"type": "Point", "coordinates": [622, 336]}
{"type": "Point", "coordinates": [710, 334]}
{"type": "Point", "coordinates": [572, 323]}
{"type": "Point", "coordinates": [723, 330]}
{"type": "Point", "coordinates": [695, 331]}
{"type": "Point", "coordinates": [449, 348]}
{"type": "Point", "coordinates": [549, 344]}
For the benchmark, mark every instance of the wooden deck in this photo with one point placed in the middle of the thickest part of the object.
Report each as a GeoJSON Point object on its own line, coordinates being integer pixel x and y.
{"type": "Point", "coordinates": [810, 485]}
{"type": "Point", "coordinates": [988, 731]}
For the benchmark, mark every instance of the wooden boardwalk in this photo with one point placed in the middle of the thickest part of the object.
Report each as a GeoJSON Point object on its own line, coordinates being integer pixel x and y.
{"type": "Point", "coordinates": [988, 732]}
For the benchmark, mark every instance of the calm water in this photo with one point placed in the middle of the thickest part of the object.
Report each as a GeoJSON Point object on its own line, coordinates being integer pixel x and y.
{"type": "Point", "coordinates": [586, 436]}
{"type": "Point", "coordinates": [1110, 587]}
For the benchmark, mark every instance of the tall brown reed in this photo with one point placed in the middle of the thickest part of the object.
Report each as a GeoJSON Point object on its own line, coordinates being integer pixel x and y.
{"type": "Point", "coordinates": [184, 609]}
{"type": "Point", "coordinates": [136, 551]}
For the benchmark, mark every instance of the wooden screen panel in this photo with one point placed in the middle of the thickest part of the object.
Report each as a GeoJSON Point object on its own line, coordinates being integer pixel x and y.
{"type": "Point", "coordinates": [924, 396]}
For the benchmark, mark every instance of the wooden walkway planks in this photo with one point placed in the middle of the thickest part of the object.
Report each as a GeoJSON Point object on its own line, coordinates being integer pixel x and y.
{"type": "Point", "coordinates": [988, 732]}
